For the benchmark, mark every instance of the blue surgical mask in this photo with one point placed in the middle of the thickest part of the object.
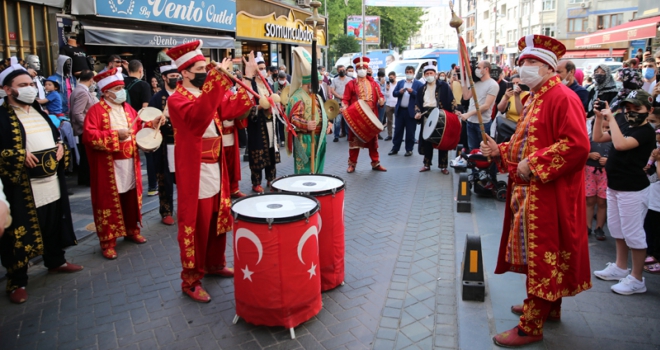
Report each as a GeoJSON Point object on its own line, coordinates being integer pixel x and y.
{"type": "Point", "coordinates": [649, 73]}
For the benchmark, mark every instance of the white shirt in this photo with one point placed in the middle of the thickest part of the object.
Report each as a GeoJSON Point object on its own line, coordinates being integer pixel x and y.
{"type": "Point", "coordinates": [3, 199]}
{"type": "Point", "coordinates": [209, 175]}
{"type": "Point", "coordinates": [124, 168]}
{"type": "Point", "coordinates": [391, 100]}
{"type": "Point", "coordinates": [429, 96]}
{"type": "Point", "coordinates": [39, 136]}
{"type": "Point", "coordinates": [405, 100]}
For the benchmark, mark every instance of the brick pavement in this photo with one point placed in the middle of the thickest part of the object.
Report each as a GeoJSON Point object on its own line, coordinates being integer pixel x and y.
{"type": "Point", "coordinates": [398, 294]}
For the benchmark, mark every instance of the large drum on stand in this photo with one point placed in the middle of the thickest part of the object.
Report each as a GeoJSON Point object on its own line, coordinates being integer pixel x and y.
{"type": "Point", "coordinates": [442, 129]}
{"type": "Point", "coordinates": [329, 191]}
{"type": "Point", "coordinates": [276, 262]}
{"type": "Point", "coordinates": [362, 121]}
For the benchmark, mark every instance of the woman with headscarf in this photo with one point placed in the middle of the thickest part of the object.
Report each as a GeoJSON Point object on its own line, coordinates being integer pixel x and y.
{"type": "Point", "coordinates": [605, 87]}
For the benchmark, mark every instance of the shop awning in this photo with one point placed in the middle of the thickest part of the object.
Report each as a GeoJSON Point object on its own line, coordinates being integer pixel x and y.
{"type": "Point", "coordinates": [128, 37]}
{"type": "Point", "coordinates": [640, 29]}
{"type": "Point", "coordinates": [594, 53]}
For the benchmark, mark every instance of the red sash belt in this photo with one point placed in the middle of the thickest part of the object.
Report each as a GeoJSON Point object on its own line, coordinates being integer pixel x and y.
{"type": "Point", "coordinates": [126, 150]}
{"type": "Point", "coordinates": [211, 148]}
{"type": "Point", "coordinates": [513, 175]}
{"type": "Point", "coordinates": [227, 130]}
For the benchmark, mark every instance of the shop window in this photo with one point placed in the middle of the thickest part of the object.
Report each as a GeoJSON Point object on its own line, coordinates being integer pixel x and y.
{"type": "Point", "coordinates": [577, 25]}
{"type": "Point", "coordinates": [548, 5]}
{"type": "Point", "coordinates": [548, 31]}
{"type": "Point", "coordinates": [575, 1]}
{"type": "Point", "coordinates": [609, 21]}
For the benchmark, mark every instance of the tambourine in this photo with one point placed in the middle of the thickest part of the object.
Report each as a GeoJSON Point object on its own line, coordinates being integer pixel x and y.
{"type": "Point", "coordinates": [148, 139]}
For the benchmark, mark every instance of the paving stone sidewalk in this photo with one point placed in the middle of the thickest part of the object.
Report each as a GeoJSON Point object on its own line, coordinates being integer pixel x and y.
{"type": "Point", "coordinates": [399, 290]}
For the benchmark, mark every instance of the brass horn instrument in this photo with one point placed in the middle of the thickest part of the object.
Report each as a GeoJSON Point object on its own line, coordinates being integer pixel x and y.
{"type": "Point", "coordinates": [331, 109]}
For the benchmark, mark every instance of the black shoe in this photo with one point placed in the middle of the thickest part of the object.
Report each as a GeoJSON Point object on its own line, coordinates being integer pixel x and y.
{"type": "Point", "coordinates": [600, 235]}
{"type": "Point", "coordinates": [335, 140]}
{"type": "Point", "coordinates": [408, 154]}
{"type": "Point", "coordinates": [589, 231]}
{"type": "Point", "coordinates": [380, 137]}
{"type": "Point", "coordinates": [69, 192]}
{"type": "Point", "coordinates": [392, 153]}
{"type": "Point", "coordinates": [389, 138]}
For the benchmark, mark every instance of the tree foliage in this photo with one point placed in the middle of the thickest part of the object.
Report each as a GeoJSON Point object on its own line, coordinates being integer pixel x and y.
{"type": "Point", "coordinates": [344, 44]}
{"type": "Point", "coordinates": [398, 24]}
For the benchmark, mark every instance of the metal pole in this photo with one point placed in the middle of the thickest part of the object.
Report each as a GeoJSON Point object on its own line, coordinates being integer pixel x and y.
{"type": "Point", "coordinates": [495, 32]}
{"type": "Point", "coordinates": [529, 16]}
{"type": "Point", "coordinates": [364, 32]}
{"type": "Point", "coordinates": [327, 44]}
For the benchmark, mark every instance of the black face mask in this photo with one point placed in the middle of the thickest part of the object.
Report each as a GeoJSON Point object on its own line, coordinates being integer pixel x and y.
{"type": "Point", "coordinates": [391, 80]}
{"type": "Point", "coordinates": [599, 78]}
{"type": "Point", "coordinates": [171, 82]}
{"type": "Point", "coordinates": [635, 119]}
{"type": "Point", "coordinates": [342, 73]}
{"type": "Point", "coordinates": [199, 80]}
{"type": "Point", "coordinates": [368, 74]}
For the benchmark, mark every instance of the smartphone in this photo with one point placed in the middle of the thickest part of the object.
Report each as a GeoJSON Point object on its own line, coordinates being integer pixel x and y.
{"type": "Point", "coordinates": [657, 78]}
{"type": "Point", "coordinates": [509, 85]}
{"type": "Point", "coordinates": [599, 105]}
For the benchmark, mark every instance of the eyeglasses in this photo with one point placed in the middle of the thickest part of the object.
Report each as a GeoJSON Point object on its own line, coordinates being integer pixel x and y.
{"type": "Point", "coordinates": [116, 62]}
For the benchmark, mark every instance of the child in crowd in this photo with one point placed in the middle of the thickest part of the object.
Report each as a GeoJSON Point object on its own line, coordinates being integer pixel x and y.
{"type": "Point", "coordinates": [652, 221]}
{"type": "Point", "coordinates": [53, 102]}
{"type": "Point", "coordinates": [596, 184]}
{"type": "Point", "coordinates": [633, 140]}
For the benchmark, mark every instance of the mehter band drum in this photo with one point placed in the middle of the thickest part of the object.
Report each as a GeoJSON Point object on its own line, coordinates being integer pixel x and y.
{"type": "Point", "coordinates": [442, 129]}
{"type": "Point", "coordinates": [363, 122]}
{"type": "Point", "coordinates": [277, 277]}
{"type": "Point", "coordinates": [329, 191]}
{"type": "Point", "coordinates": [148, 139]}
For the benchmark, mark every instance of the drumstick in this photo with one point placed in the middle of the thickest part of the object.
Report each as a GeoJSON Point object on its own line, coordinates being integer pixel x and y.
{"type": "Point", "coordinates": [157, 128]}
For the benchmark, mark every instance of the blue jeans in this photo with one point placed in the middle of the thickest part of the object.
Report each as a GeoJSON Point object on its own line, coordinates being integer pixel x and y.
{"type": "Point", "coordinates": [474, 134]}
{"type": "Point", "coordinates": [338, 125]}
{"type": "Point", "coordinates": [403, 122]}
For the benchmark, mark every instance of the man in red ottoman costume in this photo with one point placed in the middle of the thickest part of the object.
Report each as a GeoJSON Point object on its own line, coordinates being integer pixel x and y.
{"type": "Point", "coordinates": [201, 101]}
{"type": "Point", "coordinates": [366, 89]}
{"type": "Point", "coordinates": [545, 158]}
{"type": "Point", "coordinates": [114, 163]}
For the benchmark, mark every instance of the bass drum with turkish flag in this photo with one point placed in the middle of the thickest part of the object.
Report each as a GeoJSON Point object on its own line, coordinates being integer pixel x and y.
{"type": "Point", "coordinates": [277, 280]}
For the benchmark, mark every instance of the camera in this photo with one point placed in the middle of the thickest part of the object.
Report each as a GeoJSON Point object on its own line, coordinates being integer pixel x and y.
{"type": "Point", "coordinates": [599, 105]}
{"type": "Point", "coordinates": [495, 71]}
{"type": "Point", "coordinates": [473, 67]}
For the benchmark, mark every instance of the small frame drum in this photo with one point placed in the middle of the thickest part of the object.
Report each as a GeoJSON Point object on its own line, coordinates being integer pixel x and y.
{"type": "Point", "coordinates": [277, 279]}
{"type": "Point", "coordinates": [329, 191]}
{"type": "Point", "coordinates": [363, 122]}
{"type": "Point", "coordinates": [442, 129]}
{"type": "Point", "coordinates": [148, 139]}
{"type": "Point", "coordinates": [148, 114]}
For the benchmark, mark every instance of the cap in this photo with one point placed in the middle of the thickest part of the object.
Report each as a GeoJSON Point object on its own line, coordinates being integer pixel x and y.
{"type": "Point", "coordinates": [543, 48]}
{"type": "Point", "coordinates": [14, 65]}
{"type": "Point", "coordinates": [430, 66]}
{"type": "Point", "coordinates": [260, 58]}
{"type": "Point", "coordinates": [109, 79]}
{"type": "Point", "coordinates": [168, 68]}
{"type": "Point", "coordinates": [187, 54]}
{"type": "Point", "coordinates": [55, 82]}
{"type": "Point", "coordinates": [639, 98]}
{"type": "Point", "coordinates": [361, 61]}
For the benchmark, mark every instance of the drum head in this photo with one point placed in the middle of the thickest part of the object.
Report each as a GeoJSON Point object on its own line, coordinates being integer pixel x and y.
{"type": "Point", "coordinates": [148, 114]}
{"type": "Point", "coordinates": [431, 122]}
{"type": "Point", "coordinates": [370, 114]}
{"type": "Point", "coordinates": [148, 139]}
{"type": "Point", "coordinates": [274, 208]}
{"type": "Point", "coordinates": [315, 185]}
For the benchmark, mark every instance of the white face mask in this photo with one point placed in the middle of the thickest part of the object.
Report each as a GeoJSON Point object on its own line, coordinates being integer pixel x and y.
{"type": "Point", "coordinates": [282, 82]}
{"type": "Point", "coordinates": [351, 74]}
{"type": "Point", "coordinates": [120, 96]}
{"type": "Point", "coordinates": [263, 73]}
{"type": "Point", "coordinates": [409, 77]}
{"type": "Point", "coordinates": [27, 94]}
{"type": "Point", "coordinates": [564, 81]}
{"type": "Point", "coordinates": [529, 75]}
{"type": "Point", "coordinates": [442, 78]}
{"type": "Point", "coordinates": [478, 73]}
{"type": "Point", "coordinates": [3, 94]}
{"type": "Point", "coordinates": [430, 78]}
{"type": "Point", "coordinates": [362, 73]}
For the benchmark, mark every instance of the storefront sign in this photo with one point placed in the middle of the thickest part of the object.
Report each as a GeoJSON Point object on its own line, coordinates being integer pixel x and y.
{"type": "Point", "coordinates": [123, 37]}
{"type": "Point", "coordinates": [212, 14]}
{"type": "Point", "coordinates": [276, 29]}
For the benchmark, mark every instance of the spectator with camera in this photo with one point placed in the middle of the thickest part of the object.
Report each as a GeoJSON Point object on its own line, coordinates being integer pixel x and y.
{"type": "Point", "coordinates": [512, 105]}
{"type": "Point", "coordinates": [604, 87]}
{"type": "Point", "coordinates": [633, 140]}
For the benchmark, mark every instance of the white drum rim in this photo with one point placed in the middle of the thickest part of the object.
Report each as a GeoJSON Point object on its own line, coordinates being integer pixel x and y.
{"type": "Point", "coordinates": [238, 204]}
{"type": "Point", "coordinates": [370, 114]}
{"type": "Point", "coordinates": [433, 116]}
{"type": "Point", "coordinates": [148, 135]}
{"type": "Point", "coordinates": [148, 114]}
{"type": "Point", "coordinates": [315, 193]}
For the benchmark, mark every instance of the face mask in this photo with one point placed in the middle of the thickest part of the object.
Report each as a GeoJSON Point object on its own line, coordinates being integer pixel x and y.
{"type": "Point", "coordinates": [430, 78]}
{"type": "Point", "coordinates": [3, 94]}
{"type": "Point", "coordinates": [653, 125]}
{"type": "Point", "coordinates": [478, 73]}
{"type": "Point", "coordinates": [263, 73]}
{"type": "Point", "coordinates": [442, 78]}
{"type": "Point", "coordinates": [282, 82]}
{"type": "Point", "coordinates": [362, 73]}
{"type": "Point", "coordinates": [26, 94]}
{"type": "Point", "coordinates": [171, 82]}
{"type": "Point", "coordinates": [368, 74]}
{"type": "Point", "coordinates": [599, 78]}
{"type": "Point", "coordinates": [564, 81]}
{"type": "Point", "coordinates": [635, 119]}
{"type": "Point", "coordinates": [391, 80]}
{"type": "Point", "coordinates": [120, 96]}
{"type": "Point", "coordinates": [648, 73]}
{"type": "Point", "coordinates": [529, 75]}
{"type": "Point", "coordinates": [409, 77]}
{"type": "Point", "coordinates": [199, 80]}
{"type": "Point", "coordinates": [342, 73]}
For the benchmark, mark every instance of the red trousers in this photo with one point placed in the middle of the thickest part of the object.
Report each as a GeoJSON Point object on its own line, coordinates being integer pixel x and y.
{"type": "Point", "coordinates": [233, 165]}
{"type": "Point", "coordinates": [535, 312]}
{"type": "Point", "coordinates": [353, 154]}
{"type": "Point", "coordinates": [209, 246]}
{"type": "Point", "coordinates": [130, 211]}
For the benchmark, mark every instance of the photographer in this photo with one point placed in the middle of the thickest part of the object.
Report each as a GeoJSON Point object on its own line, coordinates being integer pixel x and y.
{"type": "Point", "coordinates": [633, 141]}
{"type": "Point", "coordinates": [604, 88]}
{"type": "Point", "coordinates": [512, 105]}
